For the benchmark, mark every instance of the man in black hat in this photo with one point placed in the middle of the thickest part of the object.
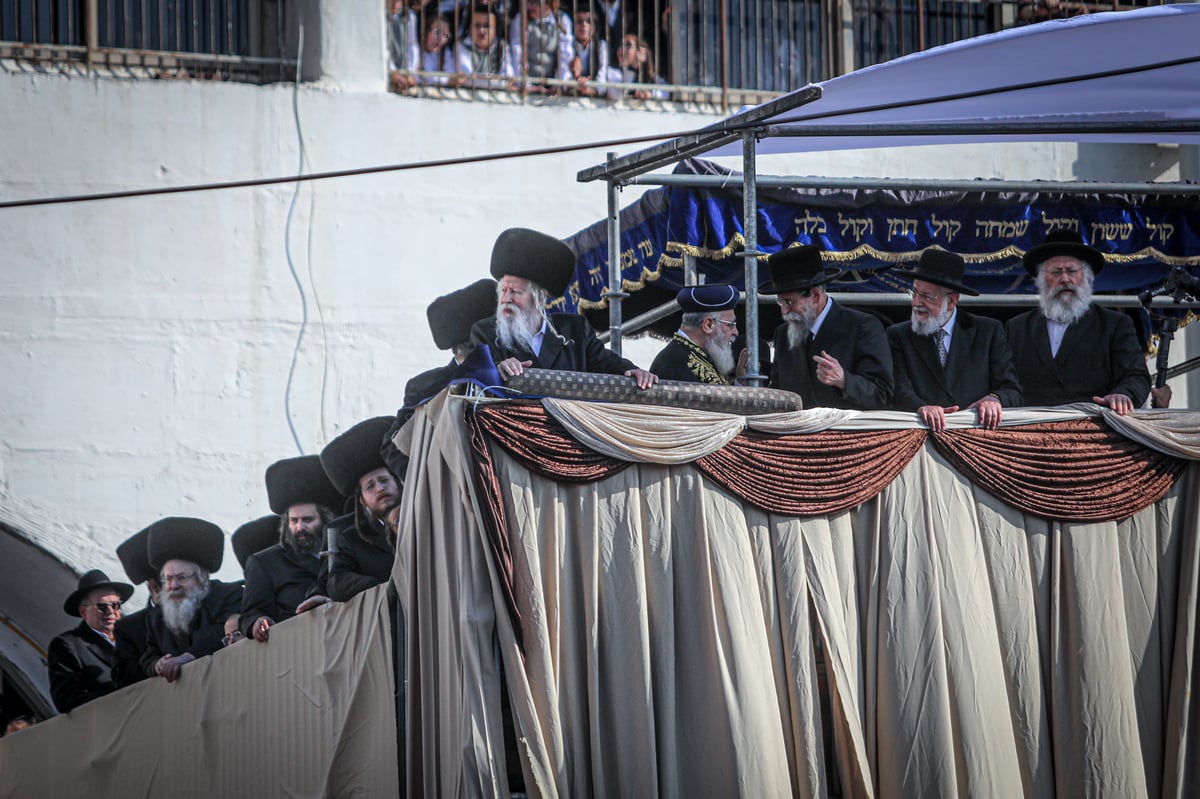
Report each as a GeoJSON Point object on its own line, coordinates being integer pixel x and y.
{"type": "Point", "coordinates": [80, 660]}
{"type": "Point", "coordinates": [832, 356]}
{"type": "Point", "coordinates": [451, 317]}
{"type": "Point", "coordinates": [701, 351]}
{"type": "Point", "coordinates": [189, 620]}
{"type": "Point", "coordinates": [945, 359]}
{"type": "Point", "coordinates": [364, 553]}
{"type": "Point", "coordinates": [1068, 350]}
{"type": "Point", "coordinates": [279, 578]}
{"type": "Point", "coordinates": [130, 631]}
{"type": "Point", "coordinates": [531, 268]}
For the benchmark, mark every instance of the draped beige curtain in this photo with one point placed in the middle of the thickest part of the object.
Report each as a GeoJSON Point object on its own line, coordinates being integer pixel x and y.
{"type": "Point", "coordinates": [661, 641]}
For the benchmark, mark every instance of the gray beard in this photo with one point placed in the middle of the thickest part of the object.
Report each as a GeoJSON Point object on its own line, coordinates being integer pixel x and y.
{"type": "Point", "coordinates": [721, 354]}
{"type": "Point", "coordinates": [1066, 311]}
{"type": "Point", "coordinates": [516, 332]}
{"type": "Point", "coordinates": [931, 324]}
{"type": "Point", "coordinates": [178, 613]}
{"type": "Point", "coordinates": [799, 326]}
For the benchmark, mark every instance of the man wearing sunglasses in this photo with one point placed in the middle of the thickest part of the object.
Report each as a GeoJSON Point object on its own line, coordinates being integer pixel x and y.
{"type": "Point", "coordinates": [832, 356]}
{"type": "Point", "coordinates": [80, 660]}
{"type": "Point", "coordinates": [945, 358]}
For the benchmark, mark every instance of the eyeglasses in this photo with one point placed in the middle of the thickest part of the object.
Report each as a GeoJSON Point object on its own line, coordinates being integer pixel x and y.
{"type": "Point", "coordinates": [178, 579]}
{"type": "Point", "coordinates": [724, 321]}
{"type": "Point", "coordinates": [232, 638]}
{"type": "Point", "coordinates": [105, 607]}
{"type": "Point", "coordinates": [629, 45]}
{"type": "Point", "coordinates": [927, 297]}
{"type": "Point", "coordinates": [785, 303]}
{"type": "Point", "coordinates": [1058, 271]}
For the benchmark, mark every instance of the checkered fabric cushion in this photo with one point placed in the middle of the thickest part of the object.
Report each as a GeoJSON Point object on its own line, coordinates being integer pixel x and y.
{"type": "Point", "coordinates": [618, 388]}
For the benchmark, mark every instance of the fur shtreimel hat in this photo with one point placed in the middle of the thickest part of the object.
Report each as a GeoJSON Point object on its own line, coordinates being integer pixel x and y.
{"type": "Point", "coordinates": [254, 537]}
{"type": "Point", "coordinates": [942, 268]}
{"type": "Point", "coordinates": [94, 579]}
{"type": "Point", "coordinates": [295, 481]}
{"type": "Point", "coordinates": [1062, 242]}
{"type": "Point", "coordinates": [538, 258]}
{"type": "Point", "coordinates": [797, 269]}
{"type": "Point", "coordinates": [708, 299]}
{"type": "Point", "coordinates": [132, 554]}
{"type": "Point", "coordinates": [185, 538]}
{"type": "Point", "coordinates": [452, 315]}
{"type": "Point", "coordinates": [354, 453]}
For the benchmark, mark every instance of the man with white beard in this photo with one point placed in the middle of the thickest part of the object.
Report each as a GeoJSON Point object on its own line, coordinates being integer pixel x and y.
{"type": "Point", "coordinates": [832, 356]}
{"type": "Point", "coordinates": [533, 268]}
{"type": "Point", "coordinates": [189, 620]}
{"type": "Point", "coordinates": [1068, 350]}
{"type": "Point", "coordinates": [944, 358]}
{"type": "Point", "coordinates": [701, 351]}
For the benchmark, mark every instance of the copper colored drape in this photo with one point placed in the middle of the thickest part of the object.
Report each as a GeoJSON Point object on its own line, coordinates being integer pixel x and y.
{"type": "Point", "coordinates": [1076, 470]}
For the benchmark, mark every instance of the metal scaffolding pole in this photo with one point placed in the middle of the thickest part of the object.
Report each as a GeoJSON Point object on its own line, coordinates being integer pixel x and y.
{"type": "Point", "coordinates": [615, 294]}
{"type": "Point", "coordinates": [750, 254]}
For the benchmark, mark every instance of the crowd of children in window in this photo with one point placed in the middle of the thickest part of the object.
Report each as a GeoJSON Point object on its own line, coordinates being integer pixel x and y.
{"type": "Point", "coordinates": [493, 43]}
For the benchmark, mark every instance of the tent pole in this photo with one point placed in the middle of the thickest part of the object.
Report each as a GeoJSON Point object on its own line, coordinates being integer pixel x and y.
{"type": "Point", "coordinates": [615, 293]}
{"type": "Point", "coordinates": [750, 253]}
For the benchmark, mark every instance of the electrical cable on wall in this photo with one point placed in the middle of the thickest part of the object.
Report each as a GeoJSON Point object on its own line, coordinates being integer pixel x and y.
{"type": "Point", "coordinates": [287, 247]}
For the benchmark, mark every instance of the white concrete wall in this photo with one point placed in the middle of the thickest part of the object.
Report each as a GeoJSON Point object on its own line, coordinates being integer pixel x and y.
{"type": "Point", "coordinates": [145, 343]}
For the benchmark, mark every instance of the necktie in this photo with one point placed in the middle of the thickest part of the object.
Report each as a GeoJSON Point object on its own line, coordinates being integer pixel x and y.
{"type": "Point", "coordinates": [940, 336]}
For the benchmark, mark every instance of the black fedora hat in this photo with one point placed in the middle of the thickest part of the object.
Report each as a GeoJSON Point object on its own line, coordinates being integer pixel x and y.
{"type": "Point", "coordinates": [708, 299]}
{"type": "Point", "coordinates": [354, 453]}
{"type": "Point", "coordinates": [797, 269]}
{"type": "Point", "coordinates": [186, 538]}
{"type": "Point", "coordinates": [293, 481]}
{"type": "Point", "coordinates": [538, 258]}
{"type": "Point", "coordinates": [452, 315]}
{"type": "Point", "coordinates": [1062, 242]}
{"type": "Point", "coordinates": [942, 267]}
{"type": "Point", "coordinates": [92, 580]}
{"type": "Point", "coordinates": [132, 554]}
{"type": "Point", "coordinates": [254, 537]}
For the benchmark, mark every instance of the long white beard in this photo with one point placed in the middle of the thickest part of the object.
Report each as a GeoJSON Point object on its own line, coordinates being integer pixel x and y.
{"type": "Point", "coordinates": [516, 331]}
{"type": "Point", "coordinates": [721, 353]}
{"type": "Point", "coordinates": [178, 613]}
{"type": "Point", "coordinates": [1065, 310]}
{"type": "Point", "coordinates": [932, 322]}
{"type": "Point", "coordinates": [799, 325]}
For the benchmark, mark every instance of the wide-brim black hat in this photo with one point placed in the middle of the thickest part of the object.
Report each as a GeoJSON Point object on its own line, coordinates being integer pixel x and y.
{"type": "Point", "coordinates": [185, 538]}
{"type": "Point", "coordinates": [797, 269]}
{"type": "Point", "coordinates": [354, 453]}
{"type": "Point", "coordinates": [295, 481]}
{"type": "Point", "coordinates": [254, 537]}
{"type": "Point", "coordinates": [1062, 242]}
{"type": "Point", "coordinates": [534, 256]}
{"type": "Point", "coordinates": [941, 267]}
{"type": "Point", "coordinates": [708, 299]}
{"type": "Point", "coordinates": [132, 554]}
{"type": "Point", "coordinates": [92, 580]}
{"type": "Point", "coordinates": [452, 315]}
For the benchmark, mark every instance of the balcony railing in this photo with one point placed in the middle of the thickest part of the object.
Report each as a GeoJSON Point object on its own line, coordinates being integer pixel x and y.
{"type": "Point", "coordinates": [242, 40]}
{"type": "Point", "coordinates": [724, 51]}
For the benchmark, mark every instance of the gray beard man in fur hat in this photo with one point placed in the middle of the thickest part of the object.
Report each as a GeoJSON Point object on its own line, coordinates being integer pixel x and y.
{"type": "Point", "coordinates": [531, 268]}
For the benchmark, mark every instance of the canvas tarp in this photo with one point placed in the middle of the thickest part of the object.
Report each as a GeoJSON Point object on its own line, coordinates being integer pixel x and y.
{"type": "Point", "coordinates": [658, 633]}
{"type": "Point", "coordinates": [309, 714]}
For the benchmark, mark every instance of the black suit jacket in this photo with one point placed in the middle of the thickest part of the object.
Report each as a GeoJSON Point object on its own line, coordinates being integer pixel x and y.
{"type": "Point", "coordinates": [203, 636]}
{"type": "Point", "coordinates": [360, 563]}
{"type": "Point", "coordinates": [80, 663]}
{"type": "Point", "coordinates": [860, 345]}
{"type": "Point", "coordinates": [277, 580]}
{"type": "Point", "coordinates": [979, 363]}
{"type": "Point", "coordinates": [1099, 355]}
{"type": "Point", "coordinates": [130, 633]}
{"type": "Point", "coordinates": [577, 351]}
